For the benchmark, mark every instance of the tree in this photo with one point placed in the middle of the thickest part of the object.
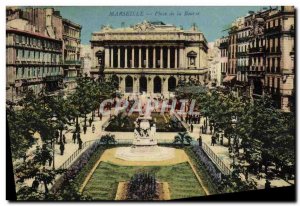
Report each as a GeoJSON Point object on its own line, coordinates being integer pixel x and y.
{"type": "Point", "coordinates": [34, 167]}
{"type": "Point", "coordinates": [182, 138]}
{"type": "Point", "coordinates": [108, 139]}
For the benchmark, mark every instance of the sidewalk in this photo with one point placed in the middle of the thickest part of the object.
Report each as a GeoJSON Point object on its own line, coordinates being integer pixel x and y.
{"type": "Point", "coordinates": [70, 147]}
{"type": "Point", "coordinates": [223, 154]}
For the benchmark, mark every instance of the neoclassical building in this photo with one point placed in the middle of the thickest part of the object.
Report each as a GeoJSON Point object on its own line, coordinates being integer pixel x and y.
{"type": "Point", "coordinates": [149, 57]}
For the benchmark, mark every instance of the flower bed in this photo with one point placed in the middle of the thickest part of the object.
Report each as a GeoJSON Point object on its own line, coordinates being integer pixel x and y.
{"type": "Point", "coordinates": [77, 171]}
{"type": "Point", "coordinates": [206, 169]}
{"type": "Point", "coordinates": [164, 123]}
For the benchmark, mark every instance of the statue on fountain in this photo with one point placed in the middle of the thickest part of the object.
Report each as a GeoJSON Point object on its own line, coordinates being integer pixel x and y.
{"type": "Point", "coordinates": [144, 146]}
{"type": "Point", "coordinates": [144, 132]}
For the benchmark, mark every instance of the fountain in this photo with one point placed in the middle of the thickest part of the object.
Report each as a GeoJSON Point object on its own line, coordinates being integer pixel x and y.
{"type": "Point", "coordinates": [144, 147]}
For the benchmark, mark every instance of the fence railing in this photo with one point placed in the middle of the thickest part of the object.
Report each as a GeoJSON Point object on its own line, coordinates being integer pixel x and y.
{"type": "Point", "coordinates": [87, 144]}
{"type": "Point", "coordinates": [218, 162]}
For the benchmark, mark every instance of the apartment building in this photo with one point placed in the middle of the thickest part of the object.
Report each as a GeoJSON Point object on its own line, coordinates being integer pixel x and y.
{"type": "Point", "coordinates": [37, 46]}
{"type": "Point", "coordinates": [261, 48]}
{"type": "Point", "coordinates": [71, 47]}
{"type": "Point", "coordinates": [33, 56]}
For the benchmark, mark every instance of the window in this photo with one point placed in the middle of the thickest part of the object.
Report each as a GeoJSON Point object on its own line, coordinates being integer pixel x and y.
{"type": "Point", "coordinates": [17, 38]}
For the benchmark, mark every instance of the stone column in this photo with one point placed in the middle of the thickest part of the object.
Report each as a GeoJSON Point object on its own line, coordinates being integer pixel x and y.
{"type": "Point", "coordinates": [181, 57]}
{"type": "Point", "coordinates": [154, 57]}
{"type": "Point", "coordinates": [147, 57]}
{"type": "Point", "coordinates": [106, 54]}
{"type": "Point", "coordinates": [161, 57]}
{"type": "Point", "coordinates": [122, 83]}
{"type": "Point", "coordinates": [132, 57]}
{"type": "Point", "coordinates": [168, 58]}
{"type": "Point", "coordinates": [112, 57]}
{"type": "Point", "coordinates": [140, 57]}
{"type": "Point", "coordinates": [119, 57]}
{"type": "Point", "coordinates": [125, 57]}
{"type": "Point", "coordinates": [175, 58]}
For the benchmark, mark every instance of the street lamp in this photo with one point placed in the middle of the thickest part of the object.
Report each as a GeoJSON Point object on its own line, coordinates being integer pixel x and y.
{"type": "Point", "coordinates": [54, 119]}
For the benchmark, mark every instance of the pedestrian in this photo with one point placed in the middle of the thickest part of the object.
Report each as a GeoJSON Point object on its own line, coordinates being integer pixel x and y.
{"type": "Point", "coordinates": [192, 128]}
{"type": "Point", "coordinates": [77, 128]}
{"type": "Point", "coordinates": [50, 161]}
{"type": "Point", "coordinates": [200, 141]}
{"type": "Point", "coordinates": [100, 116]}
{"type": "Point", "coordinates": [267, 184]}
{"type": "Point", "coordinates": [62, 148]}
{"type": "Point", "coordinates": [211, 129]}
{"type": "Point", "coordinates": [84, 129]}
{"type": "Point", "coordinates": [80, 143]}
{"type": "Point", "coordinates": [90, 121]}
{"type": "Point", "coordinates": [35, 184]}
{"type": "Point", "coordinates": [74, 137]}
{"type": "Point", "coordinates": [218, 137]}
{"type": "Point", "coordinates": [78, 137]}
{"type": "Point", "coordinates": [212, 141]}
{"type": "Point", "coordinates": [93, 128]}
{"type": "Point", "coordinates": [64, 139]}
{"type": "Point", "coordinates": [56, 136]}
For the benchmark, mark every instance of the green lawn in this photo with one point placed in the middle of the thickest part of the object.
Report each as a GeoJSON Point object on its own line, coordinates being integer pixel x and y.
{"type": "Point", "coordinates": [104, 182]}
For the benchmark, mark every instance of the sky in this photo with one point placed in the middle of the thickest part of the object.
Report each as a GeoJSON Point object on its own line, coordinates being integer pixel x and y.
{"type": "Point", "coordinates": [210, 20]}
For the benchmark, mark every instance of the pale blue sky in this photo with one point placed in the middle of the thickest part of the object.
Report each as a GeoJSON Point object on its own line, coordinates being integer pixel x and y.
{"type": "Point", "coordinates": [210, 20]}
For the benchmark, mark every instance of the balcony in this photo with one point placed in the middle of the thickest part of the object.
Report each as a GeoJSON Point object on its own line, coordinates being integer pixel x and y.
{"type": "Point", "coordinates": [69, 79]}
{"type": "Point", "coordinates": [273, 69]}
{"type": "Point", "coordinates": [241, 54]}
{"type": "Point", "coordinates": [292, 53]}
{"type": "Point", "coordinates": [257, 50]}
{"type": "Point", "coordinates": [71, 48]}
{"type": "Point", "coordinates": [273, 30]}
{"type": "Point", "coordinates": [223, 45]}
{"type": "Point", "coordinates": [256, 73]}
{"type": "Point", "coordinates": [242, 68]}
{"type": "Point", "coordinates": [53, 78]}
{"type": "Point", "coordinates": [274, 50]}
{"type": "Point", "coordinates": [72, 62]}
{"type": "Point", "coordinates": [243, 39]}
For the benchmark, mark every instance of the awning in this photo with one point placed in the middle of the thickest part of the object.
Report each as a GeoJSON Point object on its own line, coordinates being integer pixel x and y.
{"type": "Point", "coordinates": [228, 78]}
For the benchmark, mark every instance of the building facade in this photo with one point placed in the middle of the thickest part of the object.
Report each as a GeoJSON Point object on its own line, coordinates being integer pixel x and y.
{"type": "Point", "coordinates": [262, 47]}
{"type": "Point", "coordinates": [72, 65]}
{"type": "Point", "coordinates": [223, 46]}
{"type": "Point", "coordinates": [86, 59]}
{"type": "Point", "coordinates": [150, 57]}
{"type": "Point", "coordinates": [33, 54]}
{"type": "Point", "coordinates": [36, 41]}
{"type": "Point", "coordinates": [214, 63]}
{"type": "Point", "coordinates": [242, 85]}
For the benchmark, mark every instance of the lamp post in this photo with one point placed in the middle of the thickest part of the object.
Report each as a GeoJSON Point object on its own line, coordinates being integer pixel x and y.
{"type": "Point", "coordinates": [54, 119]}
{"type": "Point", "coordinates": [233, 151]}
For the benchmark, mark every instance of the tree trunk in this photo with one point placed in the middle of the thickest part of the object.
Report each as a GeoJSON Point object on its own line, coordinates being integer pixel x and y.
{"type": "Point", "coordinates": [93, 114]}
{"type": "Point", "coordinates": [77, 122]}
{"type": "Point", "coordinates": [85, 120]}
{"type": "Point", "coordinates": [60, 135]}
{"type": "Point", "coordinates": [46, 188]}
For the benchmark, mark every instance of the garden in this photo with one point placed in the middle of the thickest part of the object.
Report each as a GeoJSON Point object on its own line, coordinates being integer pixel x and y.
{"type": "Point", "coordinates": [164, 122]}
{"type": "Point", "coordinates": [180, 177]}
